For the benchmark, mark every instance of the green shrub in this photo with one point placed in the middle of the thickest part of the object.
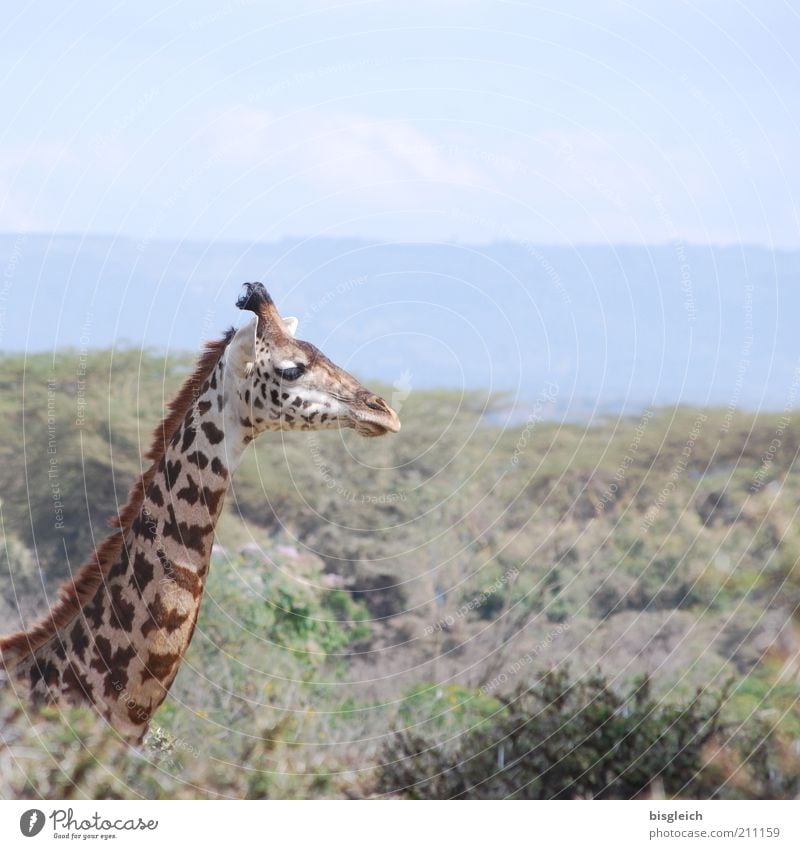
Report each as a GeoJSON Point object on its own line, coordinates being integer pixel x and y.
{"type": "Point", "coordinates": [562, 739]}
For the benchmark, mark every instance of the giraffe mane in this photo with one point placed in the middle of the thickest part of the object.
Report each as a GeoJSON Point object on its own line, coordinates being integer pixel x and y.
{"type": "Point", "coordinates": [77, 591]}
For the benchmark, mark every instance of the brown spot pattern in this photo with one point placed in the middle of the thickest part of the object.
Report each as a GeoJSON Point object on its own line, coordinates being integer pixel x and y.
{"type": "Point", "coordinates": [159, 666]}
{"type": "Point", "coordinates": [197, 458]}
{"type": "Point", "coordinates": [145, 526]}
{"type": "Point", "coordinates": [211, 498]}
{"type": "Point", "coordinates": [162, 618]}
{"type": "Point", "coordinates": [142, 573]}
{"type": "Point", "coordinates": [190, 536]}
{"type": "Point", "coordinates": [212, 432]}
{"type": "Point", "coordinates": [138, 714]}
{"type": "Point", "coordinates": [95, 609]}
{"type": "Point", "coordinates": [155, 495]}
{"type": "Point", "coordinates": [122, 611]}
{"type": "Point", "coordinates": [188, 580]}
{"type": "Point", "coordinates": [188, 438]}
{"type": "Point", "coordinates": [107, 659]}
{"type": "Point", "coordinates": [171, 472]}
{"type": "Point", "coordinates": [190, 493]}
{"type": "Point", "coordinates": [80, 639]}
{"type": "Point", "coordinates": [77, 684]}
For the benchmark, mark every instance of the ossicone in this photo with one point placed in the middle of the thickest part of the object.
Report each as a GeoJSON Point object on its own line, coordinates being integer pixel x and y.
{"type": "Point", "coordinates": [254, 298]}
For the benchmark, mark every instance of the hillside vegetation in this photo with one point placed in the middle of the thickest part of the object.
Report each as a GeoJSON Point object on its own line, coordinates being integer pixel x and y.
{"type": "Point", "coordinates": [470, 608]}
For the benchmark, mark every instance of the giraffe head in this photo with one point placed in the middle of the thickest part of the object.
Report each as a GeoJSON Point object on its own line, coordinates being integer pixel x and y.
{"type": "Point", "coordinates": [283, 383]}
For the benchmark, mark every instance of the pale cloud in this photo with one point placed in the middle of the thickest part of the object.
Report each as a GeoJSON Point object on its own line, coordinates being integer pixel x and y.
{"type": "Point", "coordinates": [23, 168]}
{"type": "Point", "coordinates": [15, 213]}
{"type": "Point", "coordinates": [334, 151]}
{"type": "Point", "coordinates": [607, 185]}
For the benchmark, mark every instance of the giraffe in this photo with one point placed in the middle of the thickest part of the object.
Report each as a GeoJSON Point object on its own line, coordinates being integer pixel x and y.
{"type": "Point", "coordinates": [117, 633]}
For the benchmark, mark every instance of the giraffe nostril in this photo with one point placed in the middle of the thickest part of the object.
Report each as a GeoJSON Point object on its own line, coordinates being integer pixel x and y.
{"type": "Point", "coordinates": [375, 402]}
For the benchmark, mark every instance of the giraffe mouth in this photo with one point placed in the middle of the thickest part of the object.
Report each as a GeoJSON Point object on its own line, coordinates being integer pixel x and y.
{"type": "Point", "coordinates": [378, 423]}
{"type": "Point", "coordinates": [365, 428]}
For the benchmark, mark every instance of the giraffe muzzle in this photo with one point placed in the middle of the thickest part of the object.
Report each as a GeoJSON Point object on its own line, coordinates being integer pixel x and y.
{"type": "Point", "coordinates": [375, 417]}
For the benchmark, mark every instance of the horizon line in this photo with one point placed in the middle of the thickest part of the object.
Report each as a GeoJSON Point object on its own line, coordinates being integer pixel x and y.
{"type": "Point", "coordinates": [172, 240]}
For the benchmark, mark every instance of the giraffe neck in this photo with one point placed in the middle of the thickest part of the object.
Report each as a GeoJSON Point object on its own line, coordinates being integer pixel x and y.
{"type": "Point", "coordinates": [122, 651]}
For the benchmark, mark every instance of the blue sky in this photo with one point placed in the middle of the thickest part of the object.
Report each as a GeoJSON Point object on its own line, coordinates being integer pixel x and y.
{"type": "Point", "coordinates": [566, 122]}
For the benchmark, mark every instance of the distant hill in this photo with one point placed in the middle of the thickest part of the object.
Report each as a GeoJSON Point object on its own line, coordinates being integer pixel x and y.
{"type": "Point", "coordinates": [613, 328]}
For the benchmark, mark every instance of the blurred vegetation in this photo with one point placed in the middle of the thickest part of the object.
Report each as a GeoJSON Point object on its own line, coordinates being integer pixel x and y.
{"type": "Point", "coordinates": [482, 605]}
{"type": "Point", "coordinates": [563, 739]}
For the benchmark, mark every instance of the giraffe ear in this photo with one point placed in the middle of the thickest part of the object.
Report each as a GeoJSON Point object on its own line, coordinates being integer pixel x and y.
{"type": "Point", "coordinates": [290, 324]}
{"type": "Point", "coordinates": [242, 348]}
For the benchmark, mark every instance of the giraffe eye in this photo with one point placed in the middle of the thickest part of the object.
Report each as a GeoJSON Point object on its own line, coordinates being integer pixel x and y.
{"type": "Point", "coordinates": [290, 374]}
